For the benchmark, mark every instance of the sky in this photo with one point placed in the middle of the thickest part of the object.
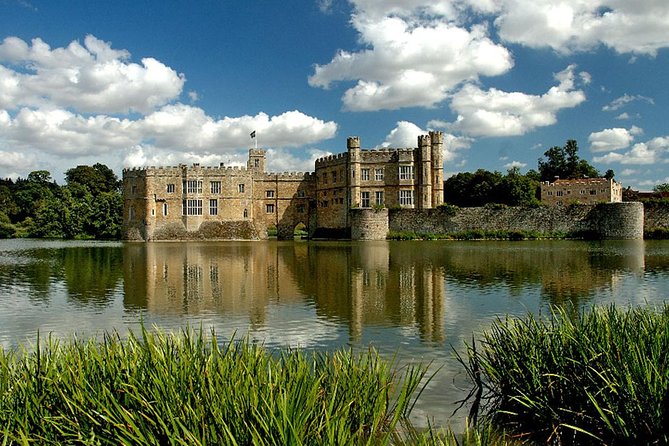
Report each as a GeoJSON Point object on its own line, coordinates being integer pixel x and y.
{"type": "Point", "coordinates": [143, 82]}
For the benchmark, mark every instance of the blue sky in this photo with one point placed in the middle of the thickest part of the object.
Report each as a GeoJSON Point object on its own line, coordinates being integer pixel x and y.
{"type": "Point", "coordinates": [132, 83]}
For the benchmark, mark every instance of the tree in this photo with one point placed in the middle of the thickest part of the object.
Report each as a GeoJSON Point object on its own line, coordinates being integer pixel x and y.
{"type": "Point", "coordinates": [564, 162]}
{"type": "Point", "coordinates": [663, 187]}
{"type": "Point", "coordinates": [96, 179]}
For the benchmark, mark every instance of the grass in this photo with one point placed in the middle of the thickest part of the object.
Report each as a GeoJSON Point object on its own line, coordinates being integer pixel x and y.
{"type": "Point", "coordinates": [600, 377]}
{"type": "Point", "coordinates": [187, 389]}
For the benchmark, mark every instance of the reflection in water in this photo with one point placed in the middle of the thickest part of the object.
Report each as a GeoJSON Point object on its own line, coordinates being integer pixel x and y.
{"type": "Point", "coordinates": [411, 300]}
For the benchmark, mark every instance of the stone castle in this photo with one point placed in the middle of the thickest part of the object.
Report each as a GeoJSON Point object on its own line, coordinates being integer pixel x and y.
{"type": "Point", "coordinates": [198, 202]}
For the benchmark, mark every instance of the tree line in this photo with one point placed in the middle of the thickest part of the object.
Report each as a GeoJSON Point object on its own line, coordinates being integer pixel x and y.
{"type": "Point", "coordinates": [89, 205]}
{"type": "Point", "coordinates": [483, 187]}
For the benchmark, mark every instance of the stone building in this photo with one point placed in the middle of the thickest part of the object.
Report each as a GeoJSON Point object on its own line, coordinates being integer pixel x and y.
{"type": "Point", "coordinates": [197, 202]}
{"type": "Point", "coordinates": [581, 190]}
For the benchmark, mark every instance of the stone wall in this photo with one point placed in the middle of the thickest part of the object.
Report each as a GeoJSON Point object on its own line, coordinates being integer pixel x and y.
{"type": "Point", "coordinates": [656, 215]}
{"type": "Point", "coordinates": [369, 224]}
{"type": "Point", "coordinates": [609, 220]}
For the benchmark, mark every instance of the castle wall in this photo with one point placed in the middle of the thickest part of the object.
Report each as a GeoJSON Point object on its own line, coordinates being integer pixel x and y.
{"type": "Point", "coordinates": [369, 224]}
{"type": "Point", "coordinates": [607, 220]}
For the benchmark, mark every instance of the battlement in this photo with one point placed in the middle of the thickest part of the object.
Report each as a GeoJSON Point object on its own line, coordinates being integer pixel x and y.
{"type": "Point", "coordinates": [331, 160]}
{"type": "Point", "coordinates": [291, 175]}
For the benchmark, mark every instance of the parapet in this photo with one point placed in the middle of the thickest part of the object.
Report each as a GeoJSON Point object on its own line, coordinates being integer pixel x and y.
{"type": "Point", "coordinates": [353, 142]}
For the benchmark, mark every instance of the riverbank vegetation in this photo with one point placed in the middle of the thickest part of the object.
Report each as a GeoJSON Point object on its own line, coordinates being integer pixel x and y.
{"type": "Point", "coordinates": [477, 234]}
{"type": "Point", "coordinates": [88, 206]}
{"type": "Point", "coordinates": [188, 389]}
{"type": "Point", "coordinates": [600, 377]}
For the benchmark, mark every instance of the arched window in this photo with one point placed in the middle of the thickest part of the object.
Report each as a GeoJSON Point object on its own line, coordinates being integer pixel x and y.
{"type": "Point", "coordinates": [246, 213]}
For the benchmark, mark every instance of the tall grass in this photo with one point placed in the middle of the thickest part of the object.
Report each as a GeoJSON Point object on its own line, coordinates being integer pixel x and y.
{"type": "Point", "coordinates": [185, 388]}
{"type": "Point", "coordinates": [599, 377]}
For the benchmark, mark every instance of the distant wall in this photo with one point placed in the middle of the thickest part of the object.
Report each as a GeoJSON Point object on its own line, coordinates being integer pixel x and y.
{"type": "Point", "coordinates": [656, 215]}
{"type": "Point", "coordinates": [606, 220]}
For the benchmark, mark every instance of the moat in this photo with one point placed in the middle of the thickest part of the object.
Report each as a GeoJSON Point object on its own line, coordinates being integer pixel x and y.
{"type": "Point", "coordinates": [410, 299]}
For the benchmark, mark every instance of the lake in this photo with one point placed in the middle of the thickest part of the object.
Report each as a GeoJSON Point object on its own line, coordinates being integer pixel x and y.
{"type": "Point", "coordinates": [414, 301]}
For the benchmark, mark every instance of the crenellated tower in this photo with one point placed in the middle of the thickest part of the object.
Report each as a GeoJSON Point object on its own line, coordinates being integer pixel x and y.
{"type": "Point", "coordinates": [424, 175]}
{"type": "Point", "coordinates": [437, 143]}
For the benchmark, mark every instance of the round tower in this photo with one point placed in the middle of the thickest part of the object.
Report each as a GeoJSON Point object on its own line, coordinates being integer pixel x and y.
{"type": "Point", "coordinates": [354, 159]}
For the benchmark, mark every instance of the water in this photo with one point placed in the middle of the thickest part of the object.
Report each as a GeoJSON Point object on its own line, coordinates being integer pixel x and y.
{"type": "Point", "coordinates": [415, 301]}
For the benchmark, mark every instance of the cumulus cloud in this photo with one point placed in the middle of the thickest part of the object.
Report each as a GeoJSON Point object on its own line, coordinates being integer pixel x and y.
{"type": "Point", "coordinates": [576, 25]}
{"type": "Point", "coordinates": [91, 101]}
{"type": "Point", "coordinates": [409, 62]}
{"type": "Point", "coordinates": [613, 139]}
{"type": "Point", "coordinates": [405, 134]}
{"type": "Point", "coordinates": [499, 113]}
{"type": "Point", "coordinates": [92, 78]}
{"type": "Point", "coordinates": [654, 151]}
{"type": "Point", "coordinates": [515, 165]}
{"type": "Point", "coordinates": [625, 99]}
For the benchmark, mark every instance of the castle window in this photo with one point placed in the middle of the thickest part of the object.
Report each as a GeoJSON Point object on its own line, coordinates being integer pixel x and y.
{"type": "Point", "coordinates": [269, 194]}
{"type": "Point", "coordinates": [153, 212]}
{"type": "Point", "coordinates": [378, 174]}
{"type": "Point", "coordinates": [192, 207]}
{"type": "Point", "coordinates": [559, 193]}
{"type": "Point", "coordinates": [215, 187]}
{"type": "Point", "coordinates": [406, 198]}
{"type": "Point", "coordinates": [593, 191]}
{"type": "Point", "coordinates": [131, 213]}
{"type": "Point", "coordinates": [300, 209]}
{"type": "Point", "coordinates": [246, 213]}
{"type": "Point", "coordinates": [334, 176]}
{"type": "Point", "coordinates": [213, 206]}
{"type": "Point", "coordinates": [406, 172]}
{"type": "Point", "coordinates": [364, 199]}
{"type": "Point", "coordinates": [164, 208]}
{"type": "Point", "coordinates": [269, 208]}
{"type": "Point", "coordinates": [170, 188]}
{"type": "Point", "coordinates": [133, 189]}
{"type": "Point", "coordinates": [300, 194]}
{"type": "Point", "coordinates": [194, 186]}
{"type": "Point", "coordinates": [240, 187]}
{"type": "Point", "coordinates": [364, 174]}
{"type": "Point", "coordinates": [379, 198]}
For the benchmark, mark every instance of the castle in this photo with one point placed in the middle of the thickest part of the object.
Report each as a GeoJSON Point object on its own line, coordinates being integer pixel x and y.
{"type": "Point", "coordinates": [198, 202]}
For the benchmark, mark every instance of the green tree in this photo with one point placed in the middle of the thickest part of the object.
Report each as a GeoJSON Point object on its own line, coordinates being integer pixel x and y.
{"type": "Point", "coordinates": [663, 187]}
{"type": "Point", "coordinates": [96, 179]}
{"type": "Point", "coordinates": [564, 162]}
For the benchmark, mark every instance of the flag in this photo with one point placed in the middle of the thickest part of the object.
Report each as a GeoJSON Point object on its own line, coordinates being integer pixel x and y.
{"type": "Point", "coordinates": [253, 134]}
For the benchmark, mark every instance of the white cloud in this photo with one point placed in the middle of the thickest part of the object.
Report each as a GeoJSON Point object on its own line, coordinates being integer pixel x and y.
{"type": "Point", "coordinates": [56, 105]}
{"type": "Point", "coordinates": [628, 172]}
{"type": "Point", "coordinates": [625, 99]}
{"type": "Point", "coordinates": [575, 25]}
{"type": "Point", "coordinates": [613, 139]}
{"type": "Point", "coordinates": [515, 164]}
{"type": "Point", "coordinates": [409, 62]}
{"type": "Point", "coordinates": [654, 151]}
{"type": "Point", "coordinates": [93, 78]}
{"type": "Point", "coordinates": [406, 135]}
{"type": "Point", "coordinates": [498, 113]}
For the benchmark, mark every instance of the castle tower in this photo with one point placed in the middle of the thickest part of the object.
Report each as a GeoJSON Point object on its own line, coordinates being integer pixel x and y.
{"type": "Point", "coordinates": [424, 174]}
{"type": "Point", "coordinates": [437, 140]}
{"type": "Point", "coordinates": [256, 162]}
{"type": "Point", "coordinates": [354, 159]}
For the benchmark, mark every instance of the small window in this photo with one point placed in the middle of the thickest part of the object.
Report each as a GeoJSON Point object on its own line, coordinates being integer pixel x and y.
{"type": "Point", "coordinates": [133, 189]}
{"type": "Point", "coordinates": [269, 194]}
{"type": "Point", "coordinates": [194, 186]}
{"type": "Point", "coordinates": [378, 198]}
{"type": "Point", "coordinates": [256, 162]}
{"type": "Point", "coordinates": [164, 208]}
{"type": "Point", "coordinates": [153, 212]}
{"type": "Point", "coordinates": [241, 188]}
{"type": "Point", "coordinates": [593, 192]}
{"type": "Point", "coordinates": [131, 213]}
{"type": "Point", "coordinates": [269, 208]}
{"type": "Point", "coordinates": [246, 213]}
{"type": "Point", "coordinates": [215, 187]}
{"type": "Point", "coordinates": [192, 207]}
{"type": "Point", "coordinates": [364, 174]}
{"type": "Point", "coordinates": [364, 199]}
{"type": "Point", "coordinates": [406, 173]}
{"type": "Point", "coordinates": [334, 176]}
{"type": "Point", "coordinates": [213, 207]}
{"type": "Point", "coordinates": [170, 188]}
{"type": "Point", "coordinates": [300, 209]}
{"type": "Point", "coordinates": [378, 174]}
{"type": "Point", "coordinates": [300, 194]}
{"type": "Point", "coordinates": [406, 198]}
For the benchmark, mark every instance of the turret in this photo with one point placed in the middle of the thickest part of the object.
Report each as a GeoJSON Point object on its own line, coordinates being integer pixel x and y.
{"type": "Point", "coordinates": [424, 174]}
{"type": "Point", "coordinates": [437, 142]}
{"type": "Point", "coordinates": [256, 161]}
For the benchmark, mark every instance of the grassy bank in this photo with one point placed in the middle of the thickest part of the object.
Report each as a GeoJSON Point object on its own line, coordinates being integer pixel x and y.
{"type": "Point", "coordinates": [187, 389]}
{"type": "Point", "coordinates": [600, 378]}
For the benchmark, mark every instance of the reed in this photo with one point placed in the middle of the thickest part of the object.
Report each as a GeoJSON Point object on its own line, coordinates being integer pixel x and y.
{"type": "Point", "coordinates": [187, 388]}
{"type": "Point", "coordinates": [597, 377]}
